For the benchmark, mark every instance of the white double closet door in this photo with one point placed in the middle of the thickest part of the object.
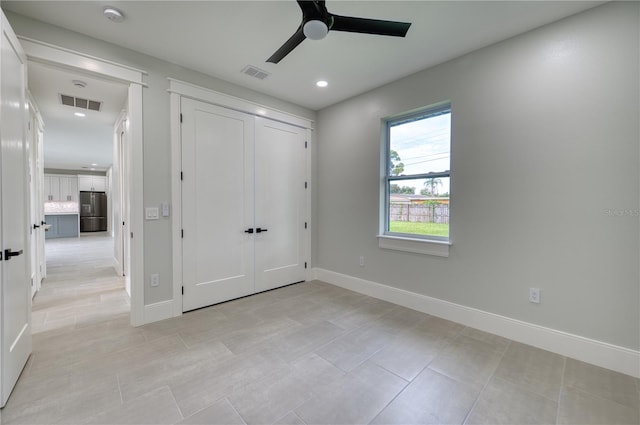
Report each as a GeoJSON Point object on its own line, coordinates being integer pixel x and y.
{"type": "Point", "coordinates": [243, 204]}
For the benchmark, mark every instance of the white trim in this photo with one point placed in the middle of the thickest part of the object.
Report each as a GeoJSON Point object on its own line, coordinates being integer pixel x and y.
{"type": "Point", "coordinates": [116, 266]}
{"type": "Point", "coordinates": [43, 52]}
{"type": "Point", "coordinates": [158, 311]}
{"type": "Point", "coordinates": [231, 102]}
{"type": "Point", "coordinates": [620, 359]}
{"type": "Point", "coordinates": [309, 193]}
{"type": "Point", "coordinates": [418, 246]}
{"type": "Point", "coordinates": [176, 200]}
{"type": "Point", "coordinates": [40, 51]}
{"type": "Point", "coordinates": [136, 196]}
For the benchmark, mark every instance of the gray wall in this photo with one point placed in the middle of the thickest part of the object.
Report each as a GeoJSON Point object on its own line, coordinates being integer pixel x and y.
{"type": "Point", "coordinates": [545, 154]}
{"type": "Point", "coordinates": [157, 148]}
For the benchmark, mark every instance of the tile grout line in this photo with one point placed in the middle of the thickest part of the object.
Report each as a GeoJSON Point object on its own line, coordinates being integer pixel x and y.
{"type": "Point", "coordinates": [486, 384]}
{"type": "Point", "coordinates": [564, 369]}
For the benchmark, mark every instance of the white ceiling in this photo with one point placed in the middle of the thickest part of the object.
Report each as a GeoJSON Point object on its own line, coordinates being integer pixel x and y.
{"type": "Point", "coordinates": [72, 142]}
{"type": "Point", "coordinates": [220, 38]}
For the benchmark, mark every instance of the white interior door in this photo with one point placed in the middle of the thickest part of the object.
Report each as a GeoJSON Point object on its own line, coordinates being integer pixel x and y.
{"type": "Point", "coordinates": [39, 147]}
{"type": "Point", "coordinates": [217, 204]}
{"type": "Point", "coordinates": [280, 199]}
{"type": "Point", "coordinates": [14, 218]}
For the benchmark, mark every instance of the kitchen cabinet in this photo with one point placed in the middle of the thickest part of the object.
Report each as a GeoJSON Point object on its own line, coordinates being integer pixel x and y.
{"type": "Point", "coordinates": [51, 188]}
{"type": "Point", "coordinates": [69, 188]}
{"type": "Point", "coordinates": [92, 183]}
{"type": "Point", "coordinates": [60, 188]}
{"type": "Point", "coordinates": [62, 226]}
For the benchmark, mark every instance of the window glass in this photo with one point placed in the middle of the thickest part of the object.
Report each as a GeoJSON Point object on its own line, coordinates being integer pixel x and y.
{"type": "Point", "coordinates": [417, 181]}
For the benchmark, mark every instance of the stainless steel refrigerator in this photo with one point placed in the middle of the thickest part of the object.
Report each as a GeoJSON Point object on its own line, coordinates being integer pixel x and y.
{"type": "Point", "coordinates": [93, 212]}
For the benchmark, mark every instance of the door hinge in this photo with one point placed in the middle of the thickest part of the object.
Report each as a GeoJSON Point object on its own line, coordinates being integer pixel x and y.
{"type": "Point", "coordinates": [181, 176]}
{"type": "Point", "coordinates": [182, 233]}
{"type": "Point", "coordinates": [305, 185]}
{"type": "Point", "coordinates": [305, 224]}
{"type": "Point", "coordinates": [180, 117]}
{"type": "Point", "coordinates": [305, 264]}
{"type": "Point", "coordinates": [305, 144]}
{"type": "Point", "coordinates": [183, 290]}
{"type": "Point", "coordinates": [131, 235]}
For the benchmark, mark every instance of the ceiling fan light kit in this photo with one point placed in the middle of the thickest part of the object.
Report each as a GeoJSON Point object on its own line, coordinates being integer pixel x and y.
{"type": "Point", "coordinates": [315, 30]}
{"type": "Point", "coordinates": [317, 22]}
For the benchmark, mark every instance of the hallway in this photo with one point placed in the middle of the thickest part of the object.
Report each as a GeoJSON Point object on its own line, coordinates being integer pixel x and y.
{"type": "Point", "coordinates": [81, 287]}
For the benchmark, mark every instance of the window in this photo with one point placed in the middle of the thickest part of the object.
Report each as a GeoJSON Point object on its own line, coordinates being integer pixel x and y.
{"type": "Point", "coordinates": [417, 175]}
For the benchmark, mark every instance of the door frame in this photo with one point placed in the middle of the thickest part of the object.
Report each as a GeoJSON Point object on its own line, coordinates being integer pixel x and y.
{"type": "Point", "coordinates": [179, 89]}
{"type": "Point", "coordinates": [38, 51]}
{"type": "Point", "coordinates": [34, 150]}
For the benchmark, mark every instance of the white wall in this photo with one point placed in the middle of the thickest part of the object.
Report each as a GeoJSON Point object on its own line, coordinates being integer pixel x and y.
{"type": "Point", "coordinates": [157, 148]}
{"type": "Point", "coordinates": [545, 143]}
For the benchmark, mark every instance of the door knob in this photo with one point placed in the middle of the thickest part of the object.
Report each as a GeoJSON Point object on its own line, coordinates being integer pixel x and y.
{"type": "Point", "coordinates": [259, 230]}
{"type": "Point", "coordinates": [249, 231]}
{"type": "Point", "coordinates": [35, 226]}
{"type": "Point", "coordinates": [8, 254]}
{"type": "Point", "coordinates": [43, 223]}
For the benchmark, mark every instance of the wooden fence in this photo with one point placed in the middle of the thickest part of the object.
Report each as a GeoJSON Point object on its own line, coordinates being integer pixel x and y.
{"type": "Point", "coordinates": [419, 213]}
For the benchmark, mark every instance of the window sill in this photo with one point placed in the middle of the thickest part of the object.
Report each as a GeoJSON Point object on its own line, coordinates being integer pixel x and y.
{"type": "Point", "coordinates": [418, 246]}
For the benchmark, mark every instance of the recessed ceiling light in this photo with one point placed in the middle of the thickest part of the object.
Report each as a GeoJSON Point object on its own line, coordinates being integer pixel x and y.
{"type": "Point", "coordinates": [79, 114]}
{"type": "Point", "coordinates": [322, 83]}
{"type": "Point", "coordinates": [113, 14]}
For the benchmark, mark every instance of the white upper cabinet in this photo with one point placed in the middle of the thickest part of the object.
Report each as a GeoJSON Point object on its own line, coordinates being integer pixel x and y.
{"type": "Point", "coordinates": [60, 188]}
{"type": "Point", "coordinates": [92, 183]}
{"type": "Point", "coordinates": [69, 188]}
{"type": "Point", "coordinates": [51, 188]}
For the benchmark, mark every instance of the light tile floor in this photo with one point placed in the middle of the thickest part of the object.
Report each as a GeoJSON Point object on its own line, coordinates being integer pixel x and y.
{"type": "Point", "coordinates": [308, 353]}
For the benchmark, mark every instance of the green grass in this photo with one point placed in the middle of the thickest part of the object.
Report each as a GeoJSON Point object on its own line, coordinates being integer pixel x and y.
{"type": "Point", "coordinates": [431, 229]}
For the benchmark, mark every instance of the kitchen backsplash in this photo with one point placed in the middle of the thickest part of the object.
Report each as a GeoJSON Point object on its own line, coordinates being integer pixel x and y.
{"type": "Point", "coordinates": [61, 207]}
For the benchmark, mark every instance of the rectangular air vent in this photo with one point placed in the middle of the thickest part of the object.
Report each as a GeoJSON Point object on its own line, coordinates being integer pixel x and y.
{"type": "Point", "coordinates": [255, 72]}
{"type": "Point", "coordinates": [77, 102]}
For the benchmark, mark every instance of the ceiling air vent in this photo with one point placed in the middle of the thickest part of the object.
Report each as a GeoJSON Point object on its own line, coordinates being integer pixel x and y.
{"type": "Point", "coordinates": [77, 102]}
{"type": "Point", "coordinates": [255, 72]}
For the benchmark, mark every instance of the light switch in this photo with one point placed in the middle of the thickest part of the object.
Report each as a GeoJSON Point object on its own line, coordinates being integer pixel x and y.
{"type": "Point", "coordinates": [151, 213]}
{"type": "Point", "coordinates": [165, 209]}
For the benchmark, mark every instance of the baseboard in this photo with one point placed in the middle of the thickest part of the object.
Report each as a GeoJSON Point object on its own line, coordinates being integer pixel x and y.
{"type": "Point", "coordinates": [116, 266]}
{"type": "Point", "coordinates": [591, 351]}
{"type": "Point", "coordinates": [158, 311]}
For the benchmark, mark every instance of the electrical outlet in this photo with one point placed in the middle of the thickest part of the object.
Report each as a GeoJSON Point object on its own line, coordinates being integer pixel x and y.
{"type": "Point", "coordinates": [361, 261]}
{"type": "Point", "coordinates": [155, 279]}
{"type": "Point", "coordinates": [534, 295]}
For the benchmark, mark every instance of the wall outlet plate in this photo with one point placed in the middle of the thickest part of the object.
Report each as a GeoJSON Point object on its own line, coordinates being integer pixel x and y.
{"type": "Point", "coordinates": [534, 295]}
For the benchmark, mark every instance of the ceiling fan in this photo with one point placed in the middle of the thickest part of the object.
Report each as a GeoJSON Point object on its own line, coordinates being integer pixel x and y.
{"type": "Point", "coordinates": [317, 22]}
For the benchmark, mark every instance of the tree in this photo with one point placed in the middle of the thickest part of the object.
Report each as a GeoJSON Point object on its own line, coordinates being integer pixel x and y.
{"type": "Point", "coordinates": [431, 186]}
{"type": "Point", "coordinates": [396, 167]}
{"type": "Point", "coordinates": [409, 190]}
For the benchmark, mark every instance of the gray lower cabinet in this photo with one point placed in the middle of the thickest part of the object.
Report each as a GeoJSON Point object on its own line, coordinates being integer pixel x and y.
{"type": "Point", "coordinates": [62, 226]}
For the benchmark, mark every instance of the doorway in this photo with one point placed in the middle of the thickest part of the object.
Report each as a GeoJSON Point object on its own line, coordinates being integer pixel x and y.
{"type": "Point", "coordinates": [129, 176]}
{"type": "Point", "coordinates": [82, 116]}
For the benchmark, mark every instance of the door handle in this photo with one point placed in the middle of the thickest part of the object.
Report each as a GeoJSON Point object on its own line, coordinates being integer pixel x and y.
{"type": "Point", "coordinates": [43, 223]}
{"type": "Point", "coordinates": [249, 231]}
{"type": "Point", "coordinates": [259, 230]}
{"type": "Point", "coordinates": [8, 254]}
{"type": "Point", "coordinates": [35, 226]}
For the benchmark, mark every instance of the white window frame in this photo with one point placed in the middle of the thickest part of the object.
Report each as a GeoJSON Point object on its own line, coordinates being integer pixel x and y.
{"type": "Point", "coordinates": [421, 244]}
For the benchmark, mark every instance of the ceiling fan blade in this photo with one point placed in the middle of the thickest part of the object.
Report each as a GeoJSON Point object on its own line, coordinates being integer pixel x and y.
{"type": "Point", "coordinates": [297, 38]}
{"type": "Point", "coordinates": [369, 26]}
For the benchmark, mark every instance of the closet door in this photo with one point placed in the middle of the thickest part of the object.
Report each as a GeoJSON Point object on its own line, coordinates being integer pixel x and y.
{"type": "Point", "coordinates": [280, 199]}
{"type": "Point", "coordinates": [217, 204]}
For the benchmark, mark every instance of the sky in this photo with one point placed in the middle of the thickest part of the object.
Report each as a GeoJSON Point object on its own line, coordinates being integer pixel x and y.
{"type": "Point", "coordinates": [423, 147]}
